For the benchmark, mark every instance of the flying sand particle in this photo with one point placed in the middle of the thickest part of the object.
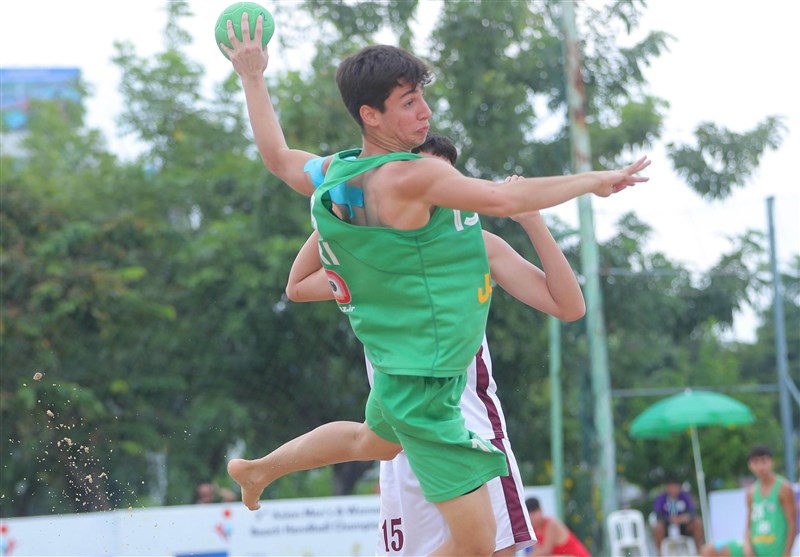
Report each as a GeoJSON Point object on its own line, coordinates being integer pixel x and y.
{"type": "Point", "coordinates": [38, 376]}
{"type": "Point", "coordinates": [50, 413]}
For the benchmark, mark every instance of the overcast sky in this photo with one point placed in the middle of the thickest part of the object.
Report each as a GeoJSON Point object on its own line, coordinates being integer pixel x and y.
{"type": "Point", "coordinates": [732, 63]}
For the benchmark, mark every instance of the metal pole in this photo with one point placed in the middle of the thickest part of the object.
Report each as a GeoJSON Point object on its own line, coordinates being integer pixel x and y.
{"type": "Point", "coordinates": [556, 433]}
{"type": "Point", "coordinates": [780, 349]}
{"type": "Point", "coordinates": [701, 485]}
{"type": "Point", "coordinates": [595, 326]}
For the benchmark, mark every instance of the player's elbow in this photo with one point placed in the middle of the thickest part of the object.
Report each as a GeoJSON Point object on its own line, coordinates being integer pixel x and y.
{"type": "Point", "coordinates": [272, 161]}
{"type": "Point", "coordinates": [294, 293]}
{"type": "Point", "coordinates": [573, 311]}
{"type": "Point", "coordinates": [283, 169]}
{"type": "Point", "coordinates": [574, 315]}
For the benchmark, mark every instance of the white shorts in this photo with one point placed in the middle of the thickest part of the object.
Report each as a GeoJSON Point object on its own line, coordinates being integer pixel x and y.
{"type": "Point", "coordinates": [411, 526]}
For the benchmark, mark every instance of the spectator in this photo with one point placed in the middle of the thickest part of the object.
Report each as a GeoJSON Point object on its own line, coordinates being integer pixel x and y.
{"type": "Point", "coordinates": [676, 513]}
{"type": "Point", "coordinates": [552, 536]}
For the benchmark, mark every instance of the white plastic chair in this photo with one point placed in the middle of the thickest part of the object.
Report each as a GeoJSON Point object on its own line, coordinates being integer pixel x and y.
{"type": "Point", "coordinates": [626, 533]}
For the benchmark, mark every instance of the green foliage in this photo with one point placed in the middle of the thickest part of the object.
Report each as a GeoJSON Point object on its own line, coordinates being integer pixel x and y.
{"type": "Point", "coordinates": [366, 18]}
{"type": "Point", "coordinates": [723, 159]}
{"type": "Point", "coordinates": [74, 292]}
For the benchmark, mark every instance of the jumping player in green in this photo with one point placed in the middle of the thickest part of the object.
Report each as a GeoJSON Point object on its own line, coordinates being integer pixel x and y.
{"type": "Point", "coordinates": [771, 514]}
{"type": "Point", "coordinates": [411, 274]}
{"type": "Point", "coordinates": [420, 527]}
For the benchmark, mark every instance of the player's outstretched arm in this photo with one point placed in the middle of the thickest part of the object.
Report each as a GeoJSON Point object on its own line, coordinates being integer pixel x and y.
{"type": "Point", "coordinates": [438, 184]}
{"type": "Point", "coordinates": [307, 280]}
{"type": "Point", "coordinates": [249, 61]}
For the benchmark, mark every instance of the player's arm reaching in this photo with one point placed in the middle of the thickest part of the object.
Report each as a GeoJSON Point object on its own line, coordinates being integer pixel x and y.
{"type": "Point", "coordinates": [307, 281]}
{"type": "Point", "coordinates": [554, 289]}
{"type": "Point", "coordinates": [250, 61]}
{"type": "Point", "coordinates": [432, 182]}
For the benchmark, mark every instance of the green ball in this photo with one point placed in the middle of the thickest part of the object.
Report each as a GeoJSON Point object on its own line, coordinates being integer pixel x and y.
{"type": "Point", "coordinates": [234, 13]}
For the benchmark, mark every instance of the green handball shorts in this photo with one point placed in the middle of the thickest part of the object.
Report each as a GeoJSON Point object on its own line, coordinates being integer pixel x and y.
{"type": "Point", "coordinates": [423, 415]}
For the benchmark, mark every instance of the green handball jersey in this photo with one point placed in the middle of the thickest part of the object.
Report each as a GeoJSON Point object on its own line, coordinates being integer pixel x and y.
{"type": "Point", "coordinates": [417, 299]}
{"type": "Point", "coordinates": [768, 526]}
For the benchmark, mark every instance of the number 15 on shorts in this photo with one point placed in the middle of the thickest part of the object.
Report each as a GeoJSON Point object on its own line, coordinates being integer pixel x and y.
{"type": "Point", "coordinates": [392, 534]}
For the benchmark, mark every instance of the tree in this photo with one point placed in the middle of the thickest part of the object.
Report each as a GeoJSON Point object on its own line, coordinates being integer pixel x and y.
{"type": "Point", "coordinates": [71, 271]}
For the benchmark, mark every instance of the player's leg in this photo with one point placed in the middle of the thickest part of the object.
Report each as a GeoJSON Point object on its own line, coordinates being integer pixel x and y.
{"type": "Point", "coordinates": [471, 523]}
{"type": "Point", "coordinates": [451, 463]}
{"type": "Point", "coordinates": [514, 530]}
{"type": "Point", "coordinates": [408, 524]}
{"type": "Point", "coordinates": [328, 444]}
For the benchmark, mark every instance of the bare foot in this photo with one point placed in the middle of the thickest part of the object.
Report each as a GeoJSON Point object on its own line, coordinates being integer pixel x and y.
{"type": "Point", "coordinates": [246, 473]}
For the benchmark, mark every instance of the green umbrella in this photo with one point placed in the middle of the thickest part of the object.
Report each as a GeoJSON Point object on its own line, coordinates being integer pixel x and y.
{"type": "Point", "coordinates": [689, 410]}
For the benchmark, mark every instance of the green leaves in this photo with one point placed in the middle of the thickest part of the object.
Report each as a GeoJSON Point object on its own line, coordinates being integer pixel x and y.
{"type": "Point", "coordinates": [722, 159]}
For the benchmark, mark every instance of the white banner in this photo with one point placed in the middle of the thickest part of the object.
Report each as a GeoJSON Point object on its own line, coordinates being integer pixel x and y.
{"type": "Point", "coordinates": [346, 526]}
{"type": "Point", "coordinates": [330, 526]}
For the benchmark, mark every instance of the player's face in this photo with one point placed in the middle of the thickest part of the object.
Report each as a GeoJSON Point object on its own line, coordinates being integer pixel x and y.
{"type": "Point", "coordinates": [760, 466]}
{"type": "Point", "coordinates": [408, 114]}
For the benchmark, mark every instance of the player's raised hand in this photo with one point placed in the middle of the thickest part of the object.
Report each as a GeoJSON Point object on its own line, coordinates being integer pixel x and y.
{"type": "Point", "coordinates": [614, 181]}
{"type": "Point", "coordinates": [247, 55]}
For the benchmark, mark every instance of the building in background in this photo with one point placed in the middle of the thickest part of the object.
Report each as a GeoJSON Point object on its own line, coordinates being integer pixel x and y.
{"type": "Point", "coordinates": [19, 86]}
